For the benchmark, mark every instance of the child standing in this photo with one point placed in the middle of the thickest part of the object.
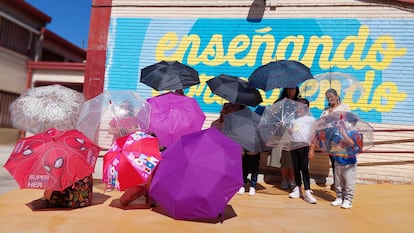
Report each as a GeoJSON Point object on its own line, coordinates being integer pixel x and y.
{"type": "Point", "coordinates": [345, 165]}
{"type": "Point", "coordinates": [300, 136]}
{"type": "Point", "coordinates": [250, 164]}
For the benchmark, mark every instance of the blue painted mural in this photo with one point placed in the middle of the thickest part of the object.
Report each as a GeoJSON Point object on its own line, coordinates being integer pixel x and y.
{"type": "Point", "coordinates": [369, 61]}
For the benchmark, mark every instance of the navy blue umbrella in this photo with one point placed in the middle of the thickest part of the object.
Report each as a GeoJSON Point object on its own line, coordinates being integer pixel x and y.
{"type": "Point", "coordinates": [279, 74]}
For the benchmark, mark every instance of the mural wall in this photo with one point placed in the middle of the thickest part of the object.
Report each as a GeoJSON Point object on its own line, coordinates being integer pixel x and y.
{"type": "Point", "coordinates": [369, 61]}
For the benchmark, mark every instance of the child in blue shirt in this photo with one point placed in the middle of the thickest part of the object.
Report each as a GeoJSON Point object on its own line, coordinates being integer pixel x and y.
{"type": "Point", "coordinates": [350, 140]}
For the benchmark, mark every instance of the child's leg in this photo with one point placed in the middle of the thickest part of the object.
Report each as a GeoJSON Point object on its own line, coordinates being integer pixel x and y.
{"type": "Point", "coordinates": [349, 174]}
{"type": "Point", "coordinates": [254, 167]}
{"type": "Point", "coordinates": [245, 165]}
{"type": "Point", "coordinates": [304, 167]}
{"type": "Point", "coordinates": [132, 194]}
{"type": "Point", "coordinates": [339, 180]}
{"type": "Point", "coordinates": [296, 166]}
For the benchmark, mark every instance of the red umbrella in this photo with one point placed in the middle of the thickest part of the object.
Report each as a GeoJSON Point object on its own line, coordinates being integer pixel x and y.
{"type": "Point", "coordinates": [52, 159]}
{"type": "Point", "coordinates": [131, 160]}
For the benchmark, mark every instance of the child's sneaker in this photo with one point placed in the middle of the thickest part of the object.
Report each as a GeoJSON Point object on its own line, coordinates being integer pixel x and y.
{"type": "Point", "coordinates": [346, 205]}
{"type": "Point", "coordinates": [295, 193]}
{"type": "Point", "coordinates": [309, 198]}
{"type": "Point", "coordinates": [252, 191]}
{"type": "Point", "coordinates": [241, 191]}
{"type": "Point", "coordinates": [337, 202]}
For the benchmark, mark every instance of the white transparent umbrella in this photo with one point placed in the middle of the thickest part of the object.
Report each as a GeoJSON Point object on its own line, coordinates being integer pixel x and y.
{"type": "Point", "coordinates": [45, 107]}
{"type": "Point", "coordinates": [112, 109]}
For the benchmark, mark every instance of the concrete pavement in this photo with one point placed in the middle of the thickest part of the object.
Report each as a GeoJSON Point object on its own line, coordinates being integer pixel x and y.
{"type": "Point", "coordinates": [377, 208]}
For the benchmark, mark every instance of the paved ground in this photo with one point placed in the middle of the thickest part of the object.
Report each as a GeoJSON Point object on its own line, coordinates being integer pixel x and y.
{"type": "Point", "coordinates": [377, 208]}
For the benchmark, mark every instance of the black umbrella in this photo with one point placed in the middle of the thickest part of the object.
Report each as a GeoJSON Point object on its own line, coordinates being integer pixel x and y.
{"type": "Point", "coordinates": [169, 75]}
{"type": "Point", "coordinates": [279, 74]}
{"type": "Point", "coordinates": [234, 90]}
{"type": "Point", "coordinates": [241, 126]}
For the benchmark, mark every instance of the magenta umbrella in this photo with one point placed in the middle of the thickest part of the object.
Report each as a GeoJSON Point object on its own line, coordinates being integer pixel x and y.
{"type": "Point", "coordinates": [198, 176]}
{"type": "Point", "coordinates": [170, 116]}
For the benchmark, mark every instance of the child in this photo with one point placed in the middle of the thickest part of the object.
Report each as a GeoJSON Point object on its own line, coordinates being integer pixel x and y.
{"type": "Point", "coordinates": [300, 158]}
{"type": "Point", "coordinates": [345, 163]}
{"type": "Point", "coordinates": [250, 164]}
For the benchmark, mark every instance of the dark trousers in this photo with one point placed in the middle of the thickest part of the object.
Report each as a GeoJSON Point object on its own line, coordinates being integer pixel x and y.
{"type": "Point", "coordinates": [301, 166]}
{"type": "Point", "coordinates": [250, 164]}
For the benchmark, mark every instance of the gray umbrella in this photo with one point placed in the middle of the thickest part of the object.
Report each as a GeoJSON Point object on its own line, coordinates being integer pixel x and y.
{"type": "Point", "coordinates": [241, 126]}
{"type": "Point", "coordinates": [169, 75]}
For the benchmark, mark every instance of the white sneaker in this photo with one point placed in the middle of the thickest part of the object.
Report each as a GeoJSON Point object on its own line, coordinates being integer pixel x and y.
{"type": "Point", "coordinates": [346, 205]}
{"type": "Point", "coordinates": [309, 198]}
{"type": "Point", "coordinates": [337, 202]}
{"type": "Point", "coordinates": [252, 191]}
{"type": "Point", "coordinates": [241, 191]}
{"type": "Point", "coordinates": [295, 193]}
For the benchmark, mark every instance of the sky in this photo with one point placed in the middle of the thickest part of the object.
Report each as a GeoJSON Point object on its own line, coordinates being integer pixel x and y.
{"type": "Point", "coordinates": [70, 18]}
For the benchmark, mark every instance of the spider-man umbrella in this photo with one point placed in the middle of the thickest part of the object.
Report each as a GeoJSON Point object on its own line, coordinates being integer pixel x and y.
{"type": "Point", "coordinates": [198, 175]}
{"type": "Point", "coordinates": [52, 159]}
{"type": "Point", "coordinates": [170, 116]}
{"type": "Point", "coordinates": [130, 160]}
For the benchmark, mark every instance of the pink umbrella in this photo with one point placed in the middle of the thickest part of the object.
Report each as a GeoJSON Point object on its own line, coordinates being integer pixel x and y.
{"type": "Point", "coordinates": [170, 116]}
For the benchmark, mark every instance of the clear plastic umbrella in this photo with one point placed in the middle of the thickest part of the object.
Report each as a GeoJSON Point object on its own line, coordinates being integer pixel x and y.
{"type": "Point", "coordinates": [286, 124]}
{"type": "Point", "coordinates": [114, 110]}
{"type": "Point", "coordinates": [331, 131]}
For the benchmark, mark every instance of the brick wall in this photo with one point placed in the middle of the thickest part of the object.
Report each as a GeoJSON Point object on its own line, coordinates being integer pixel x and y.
{"type": "Point", "coordinates": [387, 101]}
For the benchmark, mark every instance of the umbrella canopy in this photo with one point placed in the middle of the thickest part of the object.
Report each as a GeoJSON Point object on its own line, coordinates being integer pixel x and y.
{"type": "Point", "coordinates": [279, 74]}
{"type": "Point", "coordinates": [52, 159]}
{"type": "Point", "coordinates": [241, 126]}
{"type": "Point", "coordinates": [170, 116]}
{"type": "Point", "coordinates": [198, 175]}
{"type": "Point", "coordinates": [329, 133]}
{"type": "Point", "coordinates": [234, 90]}
{"type": "Point", "coordinates": [286, 124]}
{"type": "Point", "coordinates": [130, 161]}
{"type": "Point", "coordinates": [45, 107]}
{"type": "Point", "coordinates": [346, 82]}
{"type": "Point", "coordinates": [169, 75]}
{"type": "Point", "coordinates": [115, 109]}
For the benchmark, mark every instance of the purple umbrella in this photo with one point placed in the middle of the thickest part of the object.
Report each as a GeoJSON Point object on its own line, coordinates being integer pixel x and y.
{"type": "Point", "coordinates": [170, 116]}
{"type": "Point", "coordinates": [198, 175]}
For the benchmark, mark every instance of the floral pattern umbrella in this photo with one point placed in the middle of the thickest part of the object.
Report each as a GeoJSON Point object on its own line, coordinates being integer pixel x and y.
{"type": "Point", "coordinates": [45, 107]}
